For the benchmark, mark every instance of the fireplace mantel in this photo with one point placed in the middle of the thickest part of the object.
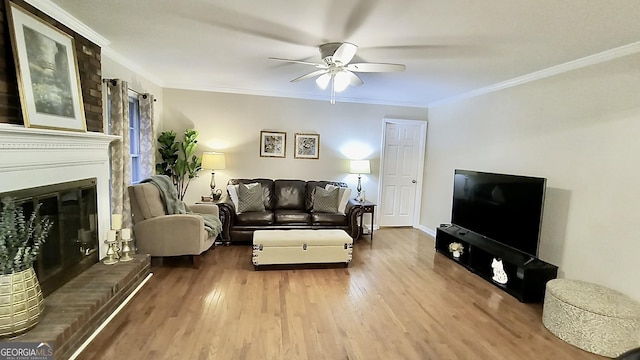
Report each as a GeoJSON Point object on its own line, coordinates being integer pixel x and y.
{"type": "Point", "coordinates": [37, 157]}
{"type": "Point", "coordinates": [20, 137]}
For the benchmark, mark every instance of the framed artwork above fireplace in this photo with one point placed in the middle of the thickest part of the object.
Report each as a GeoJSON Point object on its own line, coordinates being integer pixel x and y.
{"type": "Point", "coordinates": [47, 71]}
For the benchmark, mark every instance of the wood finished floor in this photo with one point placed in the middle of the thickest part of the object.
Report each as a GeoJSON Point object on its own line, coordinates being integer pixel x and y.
{"type": "Point", "coordinates": [397, 300]}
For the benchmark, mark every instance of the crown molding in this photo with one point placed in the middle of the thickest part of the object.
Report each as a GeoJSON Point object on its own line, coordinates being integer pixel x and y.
{"type": "Point", "coordinates": [284, 94]}
{"type": "Point", "coordinates": [69, 21]}
{"type": "Point", "coordinates": [594, 59]}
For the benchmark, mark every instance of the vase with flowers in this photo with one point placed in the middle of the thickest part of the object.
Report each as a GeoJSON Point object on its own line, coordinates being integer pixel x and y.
{"type": "Point", "coordinates": [456, 249]}
{"type": "Point", "coordinates": [20, 244]}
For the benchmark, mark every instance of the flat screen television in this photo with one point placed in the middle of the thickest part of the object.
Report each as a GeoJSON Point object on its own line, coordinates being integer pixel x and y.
{"type": "Point", "coordinates": [503, 208]}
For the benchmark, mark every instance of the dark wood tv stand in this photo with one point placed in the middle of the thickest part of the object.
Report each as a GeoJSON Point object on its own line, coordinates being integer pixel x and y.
{"type": "Point", "coordinates": [527, 275]}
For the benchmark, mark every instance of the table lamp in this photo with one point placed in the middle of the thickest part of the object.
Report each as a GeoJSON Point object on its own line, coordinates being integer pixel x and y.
{"type": "Point", "coordinates": [214, 161]}
{"type": "Point", "coordinates": [359, 167]}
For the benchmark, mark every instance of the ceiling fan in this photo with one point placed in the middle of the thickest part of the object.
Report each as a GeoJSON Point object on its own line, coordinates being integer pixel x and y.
{"type": "Point", "coordinates": [336, 68]}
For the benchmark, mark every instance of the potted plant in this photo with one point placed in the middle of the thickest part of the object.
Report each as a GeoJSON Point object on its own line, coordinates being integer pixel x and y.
{"type": "Point", "coordinates": [20, 242]}
{"type": "Point", "coordinates": [456, 249]}
{"type": "Point", "coordinates": [179, 161]}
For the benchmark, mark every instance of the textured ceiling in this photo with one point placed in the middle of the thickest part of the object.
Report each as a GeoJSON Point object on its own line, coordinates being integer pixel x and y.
{"type": "Point", "coordinates": [450, 47]}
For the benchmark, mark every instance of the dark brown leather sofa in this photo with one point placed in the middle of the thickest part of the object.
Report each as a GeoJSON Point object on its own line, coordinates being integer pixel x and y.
{"type": "Point", "coordinates": [288, 205]}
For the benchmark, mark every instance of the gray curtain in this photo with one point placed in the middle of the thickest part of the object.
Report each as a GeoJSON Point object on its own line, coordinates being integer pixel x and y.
{"type": "Point", "coordinates": [148, 143]}
{"type": "Point", "coordinates": [120, 155]}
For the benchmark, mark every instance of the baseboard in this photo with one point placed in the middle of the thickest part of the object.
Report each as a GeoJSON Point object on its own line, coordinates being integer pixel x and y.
{"type": "Point", "coordinates": [426, 230]}
{"type": "Point", "coordinates": [366, 229]}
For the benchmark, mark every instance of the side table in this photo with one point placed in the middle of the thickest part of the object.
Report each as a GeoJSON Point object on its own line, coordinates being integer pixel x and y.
{"type": "Point", "coordinates": [206, 200]}
{"type": "Point", "coordinates": [367, 208]}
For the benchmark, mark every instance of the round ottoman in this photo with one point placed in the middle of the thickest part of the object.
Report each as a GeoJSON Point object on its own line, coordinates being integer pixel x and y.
{"type": "Point", "coordinates": [591, 317]}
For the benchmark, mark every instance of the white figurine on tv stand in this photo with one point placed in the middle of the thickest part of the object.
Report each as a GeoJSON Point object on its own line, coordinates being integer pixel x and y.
{"type": "Point", "coordinates": [499, 275]}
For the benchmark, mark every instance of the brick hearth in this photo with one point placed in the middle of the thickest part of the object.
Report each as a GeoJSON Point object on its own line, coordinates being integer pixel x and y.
{"type": "Point", "coordinates": [73, 312]}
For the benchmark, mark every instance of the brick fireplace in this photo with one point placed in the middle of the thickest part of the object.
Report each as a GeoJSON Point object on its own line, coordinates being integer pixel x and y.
{"type": "Point", "coordinates": [34, 158]}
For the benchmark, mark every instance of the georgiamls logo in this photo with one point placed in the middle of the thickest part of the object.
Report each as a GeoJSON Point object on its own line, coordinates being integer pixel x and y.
{"type": "Point", "coordinates": [26, 351]}
{"type": "Point", "coordinates": [44, 344]}
{"type": "Point", "coordinates": [44, 349]}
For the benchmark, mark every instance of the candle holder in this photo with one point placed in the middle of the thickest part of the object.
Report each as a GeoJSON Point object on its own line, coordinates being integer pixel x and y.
{"type": "Point", "coordinates": [112, 253]}
{"type": "Point", "coordinates": [116, 236]}
{"type": "Point", "coordinates": [126, 248]}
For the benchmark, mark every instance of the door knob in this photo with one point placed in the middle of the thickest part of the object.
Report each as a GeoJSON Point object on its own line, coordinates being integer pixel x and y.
{"type": "Point", "coordinates": [413, 181]}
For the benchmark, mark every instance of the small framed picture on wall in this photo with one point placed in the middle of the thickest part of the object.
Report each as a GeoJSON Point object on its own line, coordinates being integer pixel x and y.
{"type": "Point", "coordinates": [273, 144]}
{"type": "Point", "coordinates": [307, 146]}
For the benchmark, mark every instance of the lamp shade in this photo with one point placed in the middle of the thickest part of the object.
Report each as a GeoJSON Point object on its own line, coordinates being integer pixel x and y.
{"type": "Point", "coordinates": [323, 81]}
{"type": "Point", "coordinates": [341, 81]}
{"type": "Point", "coordinates": [360, 167]}
{"type": "Point", "coordinates": [213, 161]}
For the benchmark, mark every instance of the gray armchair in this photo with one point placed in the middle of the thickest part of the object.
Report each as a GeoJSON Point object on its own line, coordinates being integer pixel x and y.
{"type": "Point", "coordinates": [159, 234]}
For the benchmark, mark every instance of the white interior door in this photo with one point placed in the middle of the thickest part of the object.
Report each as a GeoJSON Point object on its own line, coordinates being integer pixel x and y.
{"type": "Point", "coordinates": [402, 165]}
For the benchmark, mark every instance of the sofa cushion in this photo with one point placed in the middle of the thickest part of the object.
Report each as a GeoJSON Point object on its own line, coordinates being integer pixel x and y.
{"type": "Point", "coordinates": [289, 194]}
{"type": "Point", "coordinates": [291, 217]}
{"type": "Point", "coordinates": [311, 185]}
{"type": "Point", "coordinates": [336, 219]}
{"type": "Point", "coordinates": [326, 200]}
{"type": "Point", "coordinates": [250, 199]}
{"type": "Point", "coordinates": [146, 199]}
{"type": "Point", "coordinates": [255, 218]}
{"type": "Point", "coordinates": [233, 192]}
{"type": "Point", "coordinates": [267, 189]}
{"type": "Point", "coordinates": [343, 197]}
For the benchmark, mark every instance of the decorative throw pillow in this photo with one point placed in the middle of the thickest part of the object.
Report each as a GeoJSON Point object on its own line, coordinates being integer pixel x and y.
{"type": "Point", "coordinates": [250, 198]}
{"type": "Point", "coordinates": [344, 194]}
{"type": "Point", "coordinates": [325, 200]}
{"type": "Point", "coordinates": [233, 193]}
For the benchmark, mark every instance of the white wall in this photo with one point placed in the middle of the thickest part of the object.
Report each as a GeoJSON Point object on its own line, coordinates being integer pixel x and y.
{"type": "Point", "coordinates": [580, 131]}
{"type": "Point", "coordinates": [112, 69]}
{"type": "Point", "coordinates": [231, 123]}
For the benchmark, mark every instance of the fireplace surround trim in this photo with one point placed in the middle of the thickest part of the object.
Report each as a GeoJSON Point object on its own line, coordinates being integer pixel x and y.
{"type": "Point", "coordinates": [31, 157]}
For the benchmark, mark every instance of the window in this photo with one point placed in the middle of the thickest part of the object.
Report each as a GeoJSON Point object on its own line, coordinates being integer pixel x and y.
{"type": "Point", "coordinates": [134, 135]}
{"type": "Point", "coordinates": [134, 139]}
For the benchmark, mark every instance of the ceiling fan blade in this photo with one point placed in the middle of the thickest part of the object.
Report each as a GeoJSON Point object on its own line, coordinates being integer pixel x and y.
{"type": "Point", "coordinates": [360, 13]}
{"type": "Point", "coordinates": [375, 67]}
{"type": "Point", "coordinates": [221, 16]}
{"type": "Point", "coordinates": [310, 75]}
{"type": "Point", "coordinates": [344, 53]}
{"type": "Point", "coordinates": [321, 66]}
{"type": "Point", "coordinates": [354, 80]}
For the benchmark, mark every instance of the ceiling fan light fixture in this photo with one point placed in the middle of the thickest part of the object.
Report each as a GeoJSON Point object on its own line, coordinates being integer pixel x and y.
{"type": "Point", "coordinates": [323, 81]}
{"type": "Point", "coordinates": [336, 68]}
{"type": "Point", "coordinates": [341, 81]}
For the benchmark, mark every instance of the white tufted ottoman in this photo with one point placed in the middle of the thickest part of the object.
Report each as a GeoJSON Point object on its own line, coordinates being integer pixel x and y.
{"type": "Point", "coordinates": [591, 317]}
{"type": "Point", "coordinates": [272, 247]}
